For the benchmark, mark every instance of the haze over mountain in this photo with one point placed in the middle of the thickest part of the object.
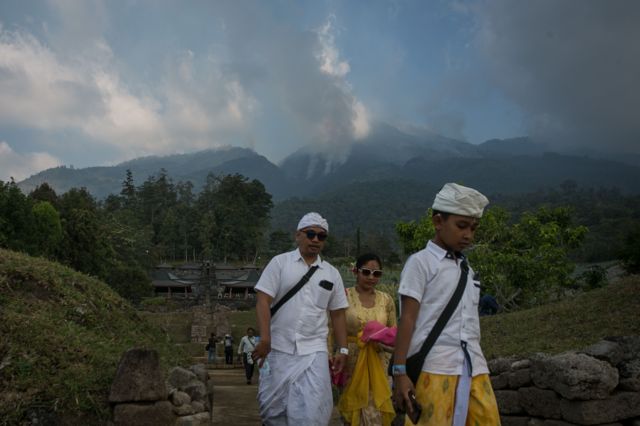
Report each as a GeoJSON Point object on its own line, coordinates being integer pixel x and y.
{"type": "Point", "coordinates": [388, 153]}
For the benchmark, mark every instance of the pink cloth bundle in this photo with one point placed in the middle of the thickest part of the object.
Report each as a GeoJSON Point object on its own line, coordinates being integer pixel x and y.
{"type": "Point", "coordinates": [376, 332]}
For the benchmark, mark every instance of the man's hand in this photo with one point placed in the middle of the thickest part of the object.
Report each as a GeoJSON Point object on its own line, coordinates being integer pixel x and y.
{"type": "Point", "coordinates": [261, 351]}
{"type": "Point", "coordinates": [338, 364]}
{"type": "Point", "coordinates": [402, 388]}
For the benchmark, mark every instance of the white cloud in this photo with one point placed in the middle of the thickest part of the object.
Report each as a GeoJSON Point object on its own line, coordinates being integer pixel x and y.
{"type": "Point", "coordinates": [50, 92]}
{"type": "Point", "coordinates": [22, 165]}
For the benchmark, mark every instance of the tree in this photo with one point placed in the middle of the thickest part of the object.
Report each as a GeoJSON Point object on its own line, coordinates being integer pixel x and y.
{"type": "Point", "coordinates": [280, 242]}
{"type": "Point", "coordinates": [44, 192]}
{"type": "Point", "coordinates": [130, 282]}
{"type": "Point", "coordinates": [234, 213]}
{"type": "Point", "coordinates": [16, 218]}
{"type": "Point", "coordinates": [47, 230]}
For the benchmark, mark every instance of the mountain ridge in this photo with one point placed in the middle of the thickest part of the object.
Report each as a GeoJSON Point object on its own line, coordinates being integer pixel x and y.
{"type": "Point", "coordinates": [497, 165]}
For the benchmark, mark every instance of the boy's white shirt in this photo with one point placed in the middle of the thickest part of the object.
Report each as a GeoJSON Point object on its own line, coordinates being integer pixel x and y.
{"type": "Point", "coordinates": [431, 278]}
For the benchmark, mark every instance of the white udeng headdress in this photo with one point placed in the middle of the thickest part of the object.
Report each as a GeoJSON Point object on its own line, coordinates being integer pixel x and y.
{"type": "Point", "coordinates": [458, 199]}
{"type": "Point", "coordinates": [313, 219]}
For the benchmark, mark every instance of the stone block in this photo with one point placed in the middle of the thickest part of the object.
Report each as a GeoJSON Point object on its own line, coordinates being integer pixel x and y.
{"type": "Point", "coordinates": [179, 377]}
{"type": "Point", "coordinates": [508, 401]}
{"type": "Point", "coordinates": [138, 378]}
{"type": "Point", "coordinates": [199, 419]}
{"type": "Point", "coordinates": [179, 398]}
{"type": "Point", "coordinates": [619, 406]}
{"type": "Point", "coordinates": [184, 410]}
{"type": "Point", "coordinates": [200, 370]}
{"type": "Point", "coordinates": [514, 420]}
{"type": "Point", "coordinates": [630, 346]}
{"type": "Point", "coordinates": [520, 364]}
{"type": "Point", "coordinates": [500, 381]}
{"type": "Point", "coordinates": [519, 378]}
{"type": "Point", "coordinates": [198, 406]}
{"type": "Point", "coordinates": [196, 390]}
{"type": "Point", "coordinates": [540, 402]}
{"type": "Point", "coordinates": [500, 365]}
{"type": "Point", "coordinates": [605, 350]}
{"type": "Point", "coordinates": [574, 376]}
{"type": "Point", "coordinates": [157, 414]}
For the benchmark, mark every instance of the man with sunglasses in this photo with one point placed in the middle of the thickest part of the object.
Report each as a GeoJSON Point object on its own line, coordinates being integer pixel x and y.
{"type": "Point", "coordinates": [296, 388]}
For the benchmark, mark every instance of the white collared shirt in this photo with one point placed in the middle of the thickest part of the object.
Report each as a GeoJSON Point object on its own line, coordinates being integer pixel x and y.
{"type": "Point", "coordinates": [300, 325]}
{"type": "Point", "coordinates": [430, 277]}
{"type": "Point", "coordinates": [247, 345]}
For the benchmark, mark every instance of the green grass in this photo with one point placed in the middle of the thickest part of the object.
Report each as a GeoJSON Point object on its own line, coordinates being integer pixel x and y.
{"type": "Point", "coordinates": [62, 335]}
{"type": "Point", "coordinates": [573, 323]}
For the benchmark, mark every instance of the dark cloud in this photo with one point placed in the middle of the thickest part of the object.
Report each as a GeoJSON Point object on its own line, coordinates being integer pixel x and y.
{"type": "Point", "coordinates": [571, 65]}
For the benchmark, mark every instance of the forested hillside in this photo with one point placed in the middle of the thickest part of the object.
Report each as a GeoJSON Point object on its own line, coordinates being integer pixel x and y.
{"type": "Point", "coordinates": [119, 239]}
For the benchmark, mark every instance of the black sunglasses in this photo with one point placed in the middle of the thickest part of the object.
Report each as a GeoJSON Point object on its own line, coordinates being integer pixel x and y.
{"type": "Point", "coordinates": [312, 234]}
{"type": "Point", "coordinates": [366, 272]}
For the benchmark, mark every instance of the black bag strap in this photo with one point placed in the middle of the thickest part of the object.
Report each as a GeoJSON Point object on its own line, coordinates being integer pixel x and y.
{"type": "Point", "coordinates": [293, 291]}
{"type": "Point", "coordinates": [415, 361]}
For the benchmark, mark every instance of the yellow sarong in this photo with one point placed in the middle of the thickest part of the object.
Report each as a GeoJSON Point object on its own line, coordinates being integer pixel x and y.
{"type": "Point", "coordinates": [436, 393]}
{"type": "Point", "coordinates": [368, 383]}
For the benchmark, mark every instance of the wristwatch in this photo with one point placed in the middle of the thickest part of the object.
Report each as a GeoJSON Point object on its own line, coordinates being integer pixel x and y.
{"type": "Point", "coordinates": [343, 351]}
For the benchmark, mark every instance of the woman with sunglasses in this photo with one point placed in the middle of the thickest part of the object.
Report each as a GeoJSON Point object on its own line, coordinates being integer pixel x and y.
{"type": "Point", "coordinates": [367, 402]}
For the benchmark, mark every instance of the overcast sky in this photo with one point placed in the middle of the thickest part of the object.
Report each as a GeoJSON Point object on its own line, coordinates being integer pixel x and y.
{"type": "Point", "coordinates": [93, 82]}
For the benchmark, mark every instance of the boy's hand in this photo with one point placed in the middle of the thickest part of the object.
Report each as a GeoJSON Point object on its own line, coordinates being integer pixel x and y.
{"type": "Point", "coordinates": [261, 351]}
{"type": "Point", "coordinates": [402, 388]}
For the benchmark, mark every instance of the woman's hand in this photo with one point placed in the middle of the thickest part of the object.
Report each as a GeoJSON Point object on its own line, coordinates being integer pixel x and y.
{"type": "Point", "coordinates": [261, 351]}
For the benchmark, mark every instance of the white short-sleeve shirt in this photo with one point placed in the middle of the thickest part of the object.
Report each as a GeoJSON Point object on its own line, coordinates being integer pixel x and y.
{"type": "Point", "coordinates": [300, 325]}
{"type": "Point", "coordinates": [431, 277]}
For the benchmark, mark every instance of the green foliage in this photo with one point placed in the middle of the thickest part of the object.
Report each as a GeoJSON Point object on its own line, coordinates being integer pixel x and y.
{"type": "Point", "coordinates": [63, 334]}
{"type": "Point", "coordinates": [47, 229]}
{"type": "Point", "coordinates": [234, 213]}
{"type": "Point", "coordinates": [16, 230]}
{"type": "Point", "coordinates": [594, 277]}
{"type": "Point", "coordinates": [415, 235]}
{"type": "Point", "coordinates": [630, 253]}
{"type": "Point", "coordinates": [130, 282]}
{"type": "Point", "coordinates": [522, 264]}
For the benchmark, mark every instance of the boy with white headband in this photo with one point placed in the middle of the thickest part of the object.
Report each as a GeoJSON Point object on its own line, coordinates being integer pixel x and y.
{"type": "Point", "coordinates": [295, 291]}
{"type": "Point", "coordinates": [453, 386]}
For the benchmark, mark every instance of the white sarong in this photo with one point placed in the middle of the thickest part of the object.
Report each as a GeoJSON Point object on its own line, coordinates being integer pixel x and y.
{"type": "Point", "coordinates": [296, 390]}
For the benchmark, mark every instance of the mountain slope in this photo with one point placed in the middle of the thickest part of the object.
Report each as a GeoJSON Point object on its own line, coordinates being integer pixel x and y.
{"type": "Point", "coordinates": [496, 166]}
{"type": "Point", "coordinates": [102, 181]}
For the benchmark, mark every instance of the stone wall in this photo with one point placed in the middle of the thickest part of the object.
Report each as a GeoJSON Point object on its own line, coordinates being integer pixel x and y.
{"type": "Point", "coordinates": [599, 385]}
{"type": "Point", "coordinates": [141, 396]}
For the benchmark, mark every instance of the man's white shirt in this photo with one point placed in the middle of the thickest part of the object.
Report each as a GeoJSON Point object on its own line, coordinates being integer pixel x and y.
{"type": "Point", "coordinates": [430, 277]}
{"type": "Point", "coordinates": [300, 325]}
{"type": "Point", "coordinates": [247, 345]}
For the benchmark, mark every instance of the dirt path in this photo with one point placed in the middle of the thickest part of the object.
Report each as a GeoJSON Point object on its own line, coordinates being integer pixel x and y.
{"type": "Point", "coordinates": [234, 402]}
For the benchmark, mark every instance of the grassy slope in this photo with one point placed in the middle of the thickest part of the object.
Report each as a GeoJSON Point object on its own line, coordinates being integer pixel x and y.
{"type": "Point", "coordinates": [62, 336]}
{"type": "Point", "coordinates": [570, 324]}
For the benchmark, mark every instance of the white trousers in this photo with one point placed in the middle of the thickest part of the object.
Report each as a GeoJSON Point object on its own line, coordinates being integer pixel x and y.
{"type": "Point", "coordinates": [296, 390]}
